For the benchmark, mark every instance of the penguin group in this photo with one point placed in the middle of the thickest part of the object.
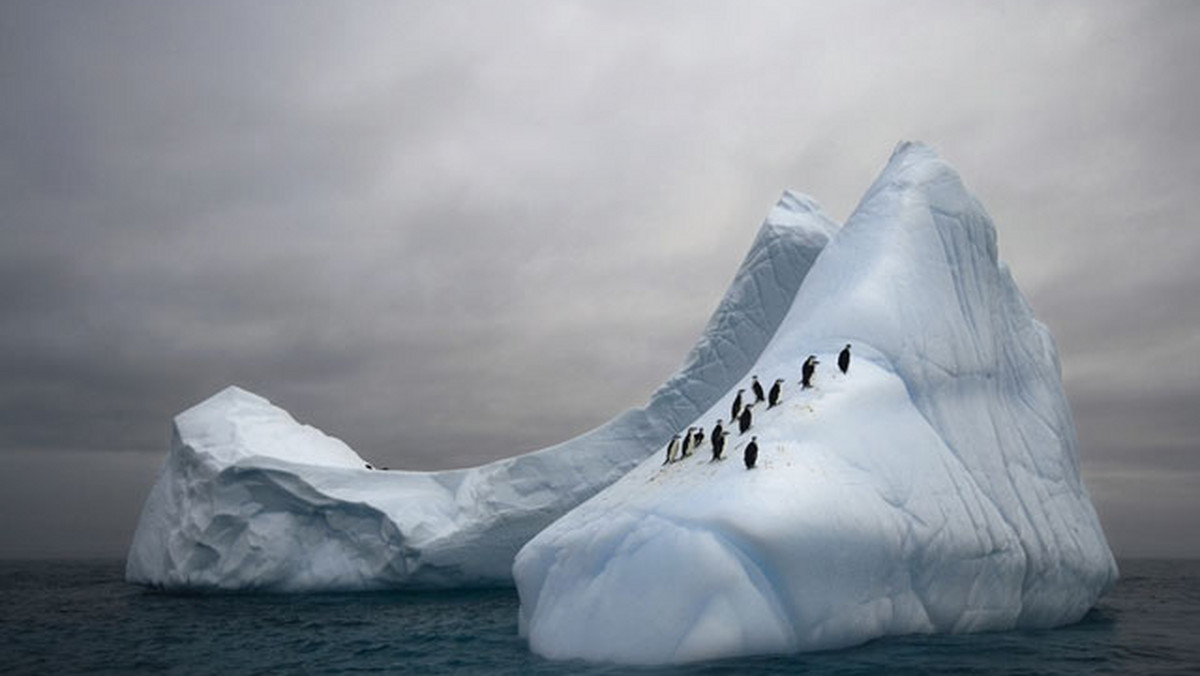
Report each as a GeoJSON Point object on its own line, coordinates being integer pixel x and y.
{"type": "Point", "coordinates": [741, 412]}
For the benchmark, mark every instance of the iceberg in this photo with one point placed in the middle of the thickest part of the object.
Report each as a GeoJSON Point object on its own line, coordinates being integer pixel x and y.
{"type": "Point", "coordinates": [933, 487]}
{"type": "Point", "coordinates": [249, 499]}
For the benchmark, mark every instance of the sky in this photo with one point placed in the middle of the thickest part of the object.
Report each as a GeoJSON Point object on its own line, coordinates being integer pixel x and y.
{"type": "Point", "coordinates": [451, 232]}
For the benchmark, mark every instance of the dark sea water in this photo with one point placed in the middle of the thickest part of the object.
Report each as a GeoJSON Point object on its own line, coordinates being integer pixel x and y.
{"type": "Point", "coordinates": [60, 617]}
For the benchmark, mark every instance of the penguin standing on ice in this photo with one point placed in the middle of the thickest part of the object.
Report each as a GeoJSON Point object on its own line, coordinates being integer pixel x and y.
{"type": "Point", "coordinates": [672, 449]}
{"type": "Point", "coordinates": [751, 454]}
{"type": "Point", "coordinates": [737, 406]}
{"type": "Point", "coordinates": [716, 432]}
{"type": "Point", "coordinates": [718, 444]}
{"type": "Point", "coordinates": [776, 390]}
{"type": "Point", "coordinates": [806, 371]}
{"type": "Point", "coordinates": [687, 442]}
{"type": "Point", "coordinates": [744, 419]}
{"type": "Point", "coordinates": [756, 387]}
{"type": "Point", "coordinates": [698, 438]}
{"type": "Point", "coordinates": [844, 359]}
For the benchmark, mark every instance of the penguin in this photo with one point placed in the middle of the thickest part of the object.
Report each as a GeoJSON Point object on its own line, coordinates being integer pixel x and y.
{"type": "Point", "coordinates": [698, 438]}
{"type": "Point", "coordinates": [776, 390]}
{"type": "Point", "coordinates": [751, 454]}
{"type": "Point", "coordinates": [844, 359]}
{"type": "Point", "coordinates": [806, 371]}
{"type": "Point", "coordinates": [737, 406]}
{"type": "Point", "coordinates": [744, 419]}
{"type": "Point", "coordinates": [716, 432]}
{"type": "Point", "coordinates": [718, 444]}
{"type": "Point", "coordinates": [368, 465]}
{"type": "Point", "coordinates": [687, 442]}
{"type": "Point", "coordinates": [672, 449]}
{"type": "Point", "coordinates": [758, 390]}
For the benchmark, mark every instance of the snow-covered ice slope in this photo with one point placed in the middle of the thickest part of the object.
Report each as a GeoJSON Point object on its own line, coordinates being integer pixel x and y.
{"type": "Point", "coordinates": [933, 488]}
{"type": "Point", "coordinates": [248, 498]}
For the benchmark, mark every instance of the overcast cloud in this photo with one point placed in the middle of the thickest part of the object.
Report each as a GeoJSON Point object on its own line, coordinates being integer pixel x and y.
{"type": "Point", "coordinates": [451, 232]}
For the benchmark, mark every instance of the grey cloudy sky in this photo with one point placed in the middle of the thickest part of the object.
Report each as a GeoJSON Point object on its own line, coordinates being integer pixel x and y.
{"type": "Point", "coordinates": [450, 232]}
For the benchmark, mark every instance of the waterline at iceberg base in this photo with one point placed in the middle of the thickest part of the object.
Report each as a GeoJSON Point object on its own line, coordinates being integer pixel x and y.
{"type": "Point", "coordinates": [934, 487]}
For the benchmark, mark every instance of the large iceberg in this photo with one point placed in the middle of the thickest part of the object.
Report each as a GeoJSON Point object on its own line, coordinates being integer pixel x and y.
{"type": "Point", "coordinates": [248, 498]}
{"type": "Point", "coordinates": [934, 487]}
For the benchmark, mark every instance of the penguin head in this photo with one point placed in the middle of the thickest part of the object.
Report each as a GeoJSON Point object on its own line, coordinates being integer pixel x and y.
{"type": "Point", "coordinates": [779, 380]}
{"type": "Point", "coordinates": [847, 346]}
{"type": "Point", "coordinates": [754, 377]}
{"type": "Point", "coordinates": [753, 439]}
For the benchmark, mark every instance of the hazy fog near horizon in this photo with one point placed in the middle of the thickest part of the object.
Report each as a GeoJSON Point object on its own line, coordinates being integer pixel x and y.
{"type": "Point", "coordinates": [451, 232]}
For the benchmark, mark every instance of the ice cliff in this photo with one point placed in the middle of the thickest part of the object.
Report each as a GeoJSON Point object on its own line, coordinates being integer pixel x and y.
{"type": "Point", "coordinates": [935, 487]}
{"type": "Point", "coordinates": [247, 498]}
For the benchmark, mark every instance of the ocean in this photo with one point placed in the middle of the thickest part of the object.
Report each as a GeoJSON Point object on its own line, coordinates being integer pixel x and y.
{"type": "Point", "coordinates": [68, 617]}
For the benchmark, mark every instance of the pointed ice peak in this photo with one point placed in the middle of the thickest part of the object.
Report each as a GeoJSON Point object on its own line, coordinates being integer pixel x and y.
{"type": "Point", "coordinates": [235, 424]}
{"type": "Point", "coordinates": [231, 396]}
{"type": "Point", "coordinates": [796, 209]}
{"type": "Point", "coordinates": [796, 202]}
{"type": "Point", "coordinates": [234, 393]}
{"type": "Point", "coordinates": [912, 163]}
{"type": "Point", "coordinates": [912, 149]}
{"type": "Point", "coordinates": [919, 190]}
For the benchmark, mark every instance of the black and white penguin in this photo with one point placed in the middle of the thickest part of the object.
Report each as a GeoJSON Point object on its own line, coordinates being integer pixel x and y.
{"type": "Point", "coordinates": [687, 442]}
{"type": "Point", "coordinates": [744, 419]}
{"type": "Point", "coordinates": [776, 390]}
{"type": "Point", "coordinates": [698, 438]}
{"type": "Point", "coordinates": [806, 371]}
{"type": "Point", "coordinates": [672, 449]}
{"type": "Point", "coordinates": [844, 359]}
{"type": "Point", "coordinates": [756, 387]}
{"type": "Point", "coordinates": [751, 454]}
{"type": "Point", "coordinates": [718, 444]}
{"type": "Point", "coordinates": [716, 432]}
{"type": "Point", "coordinates": [737, 406]}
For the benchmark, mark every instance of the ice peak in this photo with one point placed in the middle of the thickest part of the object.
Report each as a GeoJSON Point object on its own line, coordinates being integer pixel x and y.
{"type": "Point", "coordinates": [914, 164]}
{"type": "Point", "coordinates": [230, 397]}
{"type": "Point", "coordinates": [905, 149]}
{"type": "Point", "coordinates": [797, 209]}
{"type": "Point", "coordinates": [233, 392]}
{"type": "Point", "coordinates": [796, 202]}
